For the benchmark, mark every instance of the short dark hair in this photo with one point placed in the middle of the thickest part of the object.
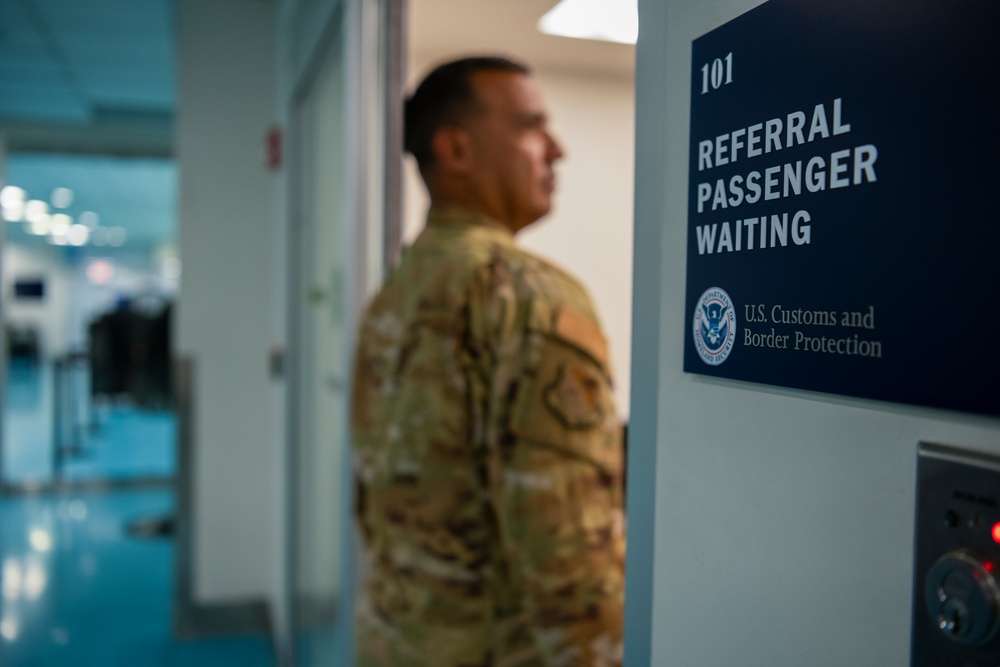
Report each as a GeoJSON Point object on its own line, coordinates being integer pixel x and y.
{"type": "Point", "coordinates": [445, 97]}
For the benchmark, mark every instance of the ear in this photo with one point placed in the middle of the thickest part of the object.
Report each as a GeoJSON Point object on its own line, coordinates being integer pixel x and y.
{"type": "Point", "coordinates": [452, 147]}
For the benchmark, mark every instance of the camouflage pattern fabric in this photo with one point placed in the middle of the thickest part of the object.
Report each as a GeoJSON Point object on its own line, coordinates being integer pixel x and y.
{"type": "Point", "coordinates": [488, 462]}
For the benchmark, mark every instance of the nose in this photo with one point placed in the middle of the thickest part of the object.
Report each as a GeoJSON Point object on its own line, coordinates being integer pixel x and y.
{"type": "Point", "coordinates": [555, 149]}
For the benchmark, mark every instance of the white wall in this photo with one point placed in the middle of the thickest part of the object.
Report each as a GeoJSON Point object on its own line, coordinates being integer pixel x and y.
{"type": "Point", "coordinates": [71, 301]}
{"type": "Point", "coordinates": [767, 526]}
{"type": "Point", "coordinates": [589, 231]}
{"type": "Point", "coordinates": [50, 315]}
{"type": "Point", "coordinates": [229, 288]}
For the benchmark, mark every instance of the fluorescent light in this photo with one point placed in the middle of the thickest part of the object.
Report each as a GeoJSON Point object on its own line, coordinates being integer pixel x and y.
{"type": "Point", "coordinates": [78, 234]}
{"type": "Point", "coordinates": [14, 212]}
{"type": "Point", "coordinates": [60, 224]}
{"type": "Point", "coordinates": [59, 235]}
{"type": "Point", "coordinates": [607, 20]}
{"type": "Point", "coordinates": [40, 226]}
{"type": "Point", "coordinates": [61, 198]}
{"type": "Point", "coordinates": [35, 209]}
{"type": "Point", "coordinates": [12, 196]}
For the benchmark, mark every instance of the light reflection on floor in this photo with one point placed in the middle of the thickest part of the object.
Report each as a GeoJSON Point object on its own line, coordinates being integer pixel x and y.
{"type": "Point", "coordinates": [76, 590]}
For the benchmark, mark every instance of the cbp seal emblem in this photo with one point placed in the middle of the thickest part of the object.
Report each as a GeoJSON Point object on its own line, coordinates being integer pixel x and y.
{"type": "Point", "coordinates": [714, 326]}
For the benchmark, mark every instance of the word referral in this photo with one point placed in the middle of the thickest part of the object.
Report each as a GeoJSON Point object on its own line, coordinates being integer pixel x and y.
{"type": "Point", "coordinates": [829, 171]}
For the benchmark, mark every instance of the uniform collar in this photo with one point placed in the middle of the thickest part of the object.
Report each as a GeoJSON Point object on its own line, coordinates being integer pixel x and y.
{"type": "Point", "coordinates": [455, 216]}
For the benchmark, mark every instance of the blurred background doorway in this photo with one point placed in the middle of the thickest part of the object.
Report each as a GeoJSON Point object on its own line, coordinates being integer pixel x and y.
{"type": "Point", "coordinates": [90, 274]}
{"type": "Point", "coordinates": [90, 266]}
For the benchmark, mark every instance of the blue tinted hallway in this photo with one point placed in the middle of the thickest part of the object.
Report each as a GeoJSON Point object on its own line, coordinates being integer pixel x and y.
{"type": "Point", "coordinates": [79, 591]}
{"type": "Point", "coordinates": [76, 588]}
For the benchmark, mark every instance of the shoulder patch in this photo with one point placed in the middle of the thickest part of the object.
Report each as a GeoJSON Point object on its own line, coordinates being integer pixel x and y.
{"type": "Point", "coordinates": [575, 396]}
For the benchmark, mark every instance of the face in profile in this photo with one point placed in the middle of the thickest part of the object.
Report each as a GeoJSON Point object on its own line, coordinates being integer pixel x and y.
{"type": "Point", "coordinates": [513, 151]}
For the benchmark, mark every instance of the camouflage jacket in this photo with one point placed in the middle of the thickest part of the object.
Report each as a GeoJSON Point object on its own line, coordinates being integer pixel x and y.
{"type": "Point", "coordinates": [488, 460]}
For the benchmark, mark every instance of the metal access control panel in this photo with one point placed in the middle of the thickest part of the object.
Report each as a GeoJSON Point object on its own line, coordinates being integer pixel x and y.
{"type": "Point", "coordinates": [956, 575]}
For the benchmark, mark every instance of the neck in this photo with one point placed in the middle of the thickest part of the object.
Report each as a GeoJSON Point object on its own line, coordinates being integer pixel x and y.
{"type": "Point", "coordinates": [461, 198]}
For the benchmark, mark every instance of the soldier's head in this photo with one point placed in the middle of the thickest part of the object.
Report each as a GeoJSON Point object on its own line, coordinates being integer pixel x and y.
{"type": "Point", "coordinates": [479, 132]}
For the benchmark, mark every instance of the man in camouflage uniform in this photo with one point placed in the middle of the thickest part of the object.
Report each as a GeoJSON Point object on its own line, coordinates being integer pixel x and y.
{"type": "Point", "coordinates": [488, 449]}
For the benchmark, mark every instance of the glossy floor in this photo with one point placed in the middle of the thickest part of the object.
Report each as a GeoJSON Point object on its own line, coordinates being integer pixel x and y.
{"type": "Point", "coordinates": [101, 438]}
{"type": "Point", "coordinates": [78, 590]}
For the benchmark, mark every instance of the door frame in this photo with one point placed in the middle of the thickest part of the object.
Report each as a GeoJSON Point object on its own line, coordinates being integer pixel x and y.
{"type": "Point", "coordinates": [370, 36]}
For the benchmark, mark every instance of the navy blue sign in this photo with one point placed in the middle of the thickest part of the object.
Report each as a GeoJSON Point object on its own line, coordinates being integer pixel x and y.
{"type": "Point", "coordinates": [844, 200]}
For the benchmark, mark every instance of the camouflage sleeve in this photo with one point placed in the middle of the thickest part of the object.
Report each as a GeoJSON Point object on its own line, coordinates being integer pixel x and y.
{"type": "Point", "coordinates": [555, 465]}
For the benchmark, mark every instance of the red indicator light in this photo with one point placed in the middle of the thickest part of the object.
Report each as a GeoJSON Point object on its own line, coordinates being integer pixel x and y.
{"type": "Point", "coordinates": [988, 566]}
{"type": "Point", "coordinates": [996, 533]}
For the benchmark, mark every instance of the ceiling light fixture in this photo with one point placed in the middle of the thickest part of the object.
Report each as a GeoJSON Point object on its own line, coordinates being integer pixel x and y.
{"type": "Point", "coordinates": [35, 210]}
{"type": "Point", "coordinates": [13, 213]}
{"type": "Point", "coordinates": [11, 196]}
{"type": "Point", "coordinates": [606, 20]}
{"type": "Point", "coordinates": [61, 224]}
{"type": "Point", "coordinates": [78, 234]}
{"type": "Point", "coordinates": [40, 226]}
{"type": "Point", "coordinates": [61, 198]}
{"type": "Point", "coordinates": [12, 203]}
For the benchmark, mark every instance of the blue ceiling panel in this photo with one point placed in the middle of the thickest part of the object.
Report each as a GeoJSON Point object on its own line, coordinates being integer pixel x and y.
{"type": "Point", "coordinates": [19, 41]}
{"type": "Point", "coordinates": [102, 52]}
{"type": "Point", "coordinates": [39, 103]}
{"type": "Point", "coordinates": [97, 64]}
{"type": "Point", "coordinates": [24, 75]}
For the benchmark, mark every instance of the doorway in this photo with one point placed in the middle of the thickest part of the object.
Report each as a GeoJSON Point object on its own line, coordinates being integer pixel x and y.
{"type": "Point", "coordinates": [588, 86]}
{"type": "Point", "coordinates": [345, 125]}
{"type": "Point", "coordinates": [90, 274]}
{"type": "Point", "coordinates": [320, 354]}
{"type": "Point", "coordinates": [343, 223]}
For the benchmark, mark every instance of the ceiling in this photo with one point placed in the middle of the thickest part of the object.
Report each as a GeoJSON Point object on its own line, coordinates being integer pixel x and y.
{"type": "Point", "coordinates": [87, 93]}
{"type": "Point", "coordinates": [444, 28]}
{"type": "Point", "coordinates": [134, 194]}
{"type": "Point", "coordinates": [99, 66]}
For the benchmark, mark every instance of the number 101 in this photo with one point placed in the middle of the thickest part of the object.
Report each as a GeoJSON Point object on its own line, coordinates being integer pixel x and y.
{"type": "Point", "coordinates": [718, 74]}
